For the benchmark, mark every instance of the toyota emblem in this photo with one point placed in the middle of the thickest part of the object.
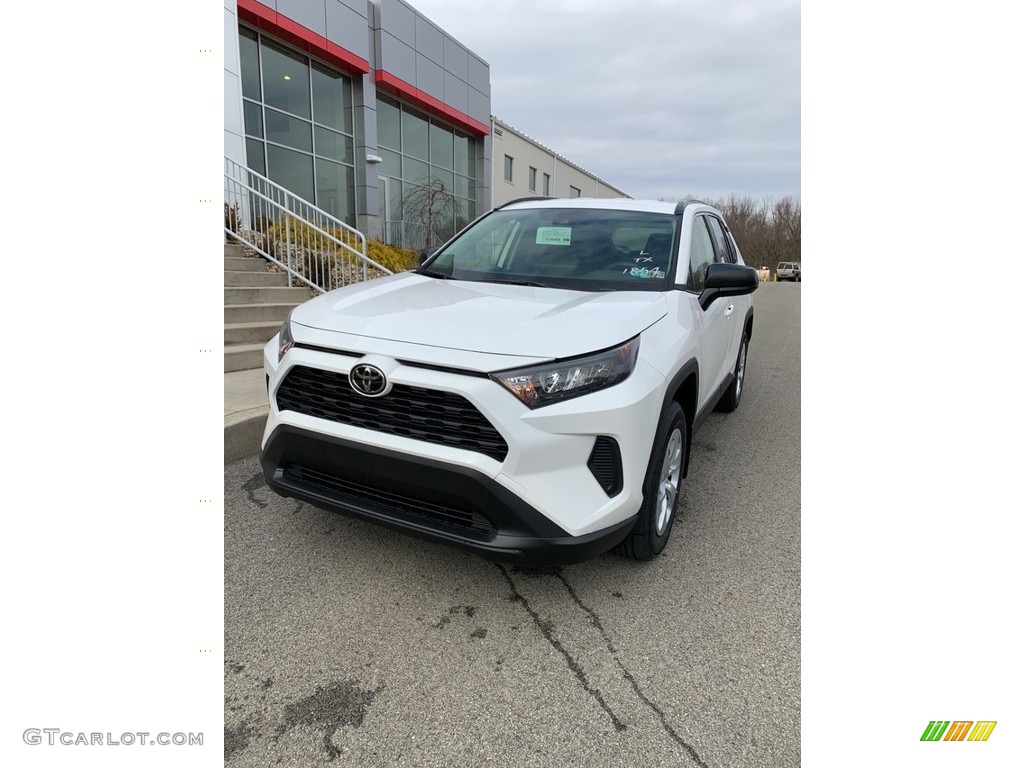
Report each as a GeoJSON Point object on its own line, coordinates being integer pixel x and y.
{"type": "Point", "coordinates": [368, 380]}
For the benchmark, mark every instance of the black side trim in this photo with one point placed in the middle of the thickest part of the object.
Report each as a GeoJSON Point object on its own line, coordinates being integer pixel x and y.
{"type": "Point", "coordinates": [330, 350]}
{"type": "Point", "coordinates": [455, 504]}
{"type": "Point", "coordinates": [690, 367]}
{"type": "Point", "coordinates": [446, 369]}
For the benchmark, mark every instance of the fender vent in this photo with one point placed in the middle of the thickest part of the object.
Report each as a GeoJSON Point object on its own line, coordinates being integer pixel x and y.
{"type": "Point", "coordinates": [605, 463]}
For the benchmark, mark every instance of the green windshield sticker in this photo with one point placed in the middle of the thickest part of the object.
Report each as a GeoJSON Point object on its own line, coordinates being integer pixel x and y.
{"type": "Point", "coordinates": [554, 235]}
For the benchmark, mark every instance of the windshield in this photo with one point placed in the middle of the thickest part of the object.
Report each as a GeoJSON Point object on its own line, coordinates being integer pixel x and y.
{"type": "Point", "coordinates": [587, 250]}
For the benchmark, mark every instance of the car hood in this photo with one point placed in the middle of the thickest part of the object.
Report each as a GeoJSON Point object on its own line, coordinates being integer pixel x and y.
{"type": "Point", "coordinates": [482, 317]}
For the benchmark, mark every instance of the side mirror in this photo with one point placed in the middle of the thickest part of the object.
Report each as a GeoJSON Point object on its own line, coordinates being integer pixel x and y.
{"type": "Point", "coordinates": [727, 280]}
{"type": "Point", "coordinates": [425, 254]}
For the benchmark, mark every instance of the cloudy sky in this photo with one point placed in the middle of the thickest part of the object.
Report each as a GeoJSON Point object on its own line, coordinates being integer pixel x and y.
{"type": "Point", "coordinates": [661, 98]}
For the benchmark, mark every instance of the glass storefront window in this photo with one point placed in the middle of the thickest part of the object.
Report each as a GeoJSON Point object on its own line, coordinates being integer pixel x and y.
{"type": "Point", "coordinates": [334, 183]}
{"type": "Point", "coordinates": [292, 170]}
{"type": "Point", "coordinates": [332, 99]}
{"type": "Point", "coordinates": [414, 135]}
{"type": "Point", "coordinates": [332, 144]}
{"type": "Point", "coordinates": [389, 125]}
{"type": "Point", "coordinates": [299, 107]}
{"type": "Point", "coordinates": [253, 119]}
{"type": "Point", "coordinates": [288, 130]}
{"type": "Point", "coordinates": [417, 150]}
{"type": "Point", "coordinates": [248, 48]}
{"type": "Point", "coordinates": [442, 150]}
{"type": "Point", "coordinates": [285, 80]}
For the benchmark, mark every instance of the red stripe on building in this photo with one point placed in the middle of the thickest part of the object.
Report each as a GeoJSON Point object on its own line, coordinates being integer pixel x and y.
{"type": "Point", "coordinates": [302, 37]}
{"type": "Point", "coordinates": [411, 94]}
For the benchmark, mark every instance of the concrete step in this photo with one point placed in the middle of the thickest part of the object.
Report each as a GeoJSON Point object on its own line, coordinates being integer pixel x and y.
{"type": "Point", "coordinates": [234, 249]}
{"type": "Point", "coordinates": [255, 279]}
{"type": "Point", "coordinates": [243, 357]}
{"type": "Point", "coordinates": [257, 313]}
{"type": "Point", "coordinates": [245, 264]}
{"type": "Point", "coordinates": [250, 333]}
{"type": "Point", "coordinates": [245, 413]}
{"type": "Point", "coordinates": [233, 296]}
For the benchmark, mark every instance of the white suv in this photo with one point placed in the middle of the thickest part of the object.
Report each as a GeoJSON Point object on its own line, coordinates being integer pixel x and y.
{"type": "Point", "coordinates": [530, 392]}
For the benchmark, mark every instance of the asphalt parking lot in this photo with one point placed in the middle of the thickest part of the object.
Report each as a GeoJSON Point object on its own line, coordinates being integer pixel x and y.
{"type": "Point", "coordinates": [349, 645]}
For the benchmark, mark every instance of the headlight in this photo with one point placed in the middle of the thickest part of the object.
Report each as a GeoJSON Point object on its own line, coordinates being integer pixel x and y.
{"type": "Point", "coordinates": [542, 385]}
{"type": "Point", "coordinates": [284, 337]}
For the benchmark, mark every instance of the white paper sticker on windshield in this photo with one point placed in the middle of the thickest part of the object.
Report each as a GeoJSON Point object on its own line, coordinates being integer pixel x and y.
{"type": "Point", "coordinates": [554, 235]}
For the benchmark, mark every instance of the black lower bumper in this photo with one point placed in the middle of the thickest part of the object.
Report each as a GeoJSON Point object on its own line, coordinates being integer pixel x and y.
{"type": "Point", "coordinates": [425, 498]}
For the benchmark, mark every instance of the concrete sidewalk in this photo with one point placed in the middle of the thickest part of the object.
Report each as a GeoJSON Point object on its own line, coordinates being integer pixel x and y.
{"type": "Point", "coordinates": [245, 412]}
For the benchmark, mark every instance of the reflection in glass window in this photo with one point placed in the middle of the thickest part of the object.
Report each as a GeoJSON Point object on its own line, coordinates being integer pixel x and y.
{"type": "Point", "coordinates": [442, 146]}
{"type": "Point", "coordinates": [285, 80]}
{"type": "Point", "coordinates": [292, 170]}
{"type": "Point", "coordinates": [334, 183]}
{"type": "Point", "coordinates": [288, 130]}
{"type": "Point", "coordinates": [389, 125]}
{"type": "Point", "coordinates": [414, 135]}
{"type": "Point", "coordinates": [248, 48]}
{"type": "Point", "coordinates": [299, 107]}
{"type": "Point", "coordinates": [332, 99]}
{"type": "Point", "coordinates": [417, 150]}
{"type": "Point", "coordinates": [253, 119]}
{"type": "Point", "coordinates": [332, 144]}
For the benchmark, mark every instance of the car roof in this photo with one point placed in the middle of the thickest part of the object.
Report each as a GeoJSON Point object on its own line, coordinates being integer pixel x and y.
{"type": "Point", "coordinates": [602, 203]}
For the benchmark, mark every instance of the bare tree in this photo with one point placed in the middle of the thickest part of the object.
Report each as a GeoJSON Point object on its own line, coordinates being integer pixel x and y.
{"type": "Point", "coordinates": [432, 209]}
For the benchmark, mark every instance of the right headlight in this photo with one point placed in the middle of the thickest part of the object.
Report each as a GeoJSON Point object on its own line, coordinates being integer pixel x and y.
{"type": "Point", "coordinates": [542, 385]}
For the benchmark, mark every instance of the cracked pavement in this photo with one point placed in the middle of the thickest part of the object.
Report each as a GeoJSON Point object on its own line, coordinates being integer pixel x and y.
{"type": "Point", "coordinates": [348, 644]}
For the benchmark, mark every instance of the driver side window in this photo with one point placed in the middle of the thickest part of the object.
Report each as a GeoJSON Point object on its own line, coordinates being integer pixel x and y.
{"type": "Point", "coordinates": [702, 254]}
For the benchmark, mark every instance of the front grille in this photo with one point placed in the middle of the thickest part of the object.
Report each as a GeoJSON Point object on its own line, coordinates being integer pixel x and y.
{"type": "Point", "coordinates": [605, 464]}
{"type": "Point", "coordinates": [442, 418]}
{"type": "Point", "coordinates": [389, 503]}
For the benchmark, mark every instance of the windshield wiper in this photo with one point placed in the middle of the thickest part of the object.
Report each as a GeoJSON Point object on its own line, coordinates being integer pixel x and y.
{"type": "Point", "coordinates": [531, 283]}
{"type": "Point", "coordinates": [432, 273]}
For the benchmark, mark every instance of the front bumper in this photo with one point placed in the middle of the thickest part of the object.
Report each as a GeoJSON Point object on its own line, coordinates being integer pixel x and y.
{"type": "Point", "coordinates": [539, 488]}
{"type": "Point", "coordinates": [423, 497]}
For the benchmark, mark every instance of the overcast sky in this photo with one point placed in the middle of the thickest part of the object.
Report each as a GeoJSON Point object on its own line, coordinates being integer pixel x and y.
{"type": "Point", "coordinates": [660, 98]}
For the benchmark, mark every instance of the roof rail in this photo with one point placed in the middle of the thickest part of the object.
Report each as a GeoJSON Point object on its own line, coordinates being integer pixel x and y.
{"type": "Point", "coordinates": [681, 205]}
{"type": "Point", "coordinates": [524, 200]}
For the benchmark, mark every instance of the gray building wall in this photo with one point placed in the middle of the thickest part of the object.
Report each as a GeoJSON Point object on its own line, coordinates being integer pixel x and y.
{"type": "Point", "coordinates": [234, 142]}
{"type": "Point", "coordinates": [526, 153]}
{"type": "Point", "coordinates": [392, 37]}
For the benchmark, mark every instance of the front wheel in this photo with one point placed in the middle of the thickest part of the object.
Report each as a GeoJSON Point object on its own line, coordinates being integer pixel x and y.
{"type": "Point", "coordinates": [661, 488]}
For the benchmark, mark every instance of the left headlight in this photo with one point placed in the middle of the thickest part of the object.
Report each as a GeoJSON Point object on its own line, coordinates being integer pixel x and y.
{"type": "Point", "coordinates": [542, 385]}
{"type": "Point", "coordinates": [284, 337]}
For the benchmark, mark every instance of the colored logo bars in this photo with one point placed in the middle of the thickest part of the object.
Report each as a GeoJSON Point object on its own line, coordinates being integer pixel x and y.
{"type": "Point", "coordinates": [958, 730]}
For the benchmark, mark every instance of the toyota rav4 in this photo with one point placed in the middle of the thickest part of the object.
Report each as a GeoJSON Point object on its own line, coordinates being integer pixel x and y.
{"type": "Point", "coordinates": [530, 392]}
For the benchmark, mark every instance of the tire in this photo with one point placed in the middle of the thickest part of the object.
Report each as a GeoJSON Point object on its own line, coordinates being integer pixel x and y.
{"type": "Point", "coordinates": [661, 488]}
{"type": "Point", "coordinates": [731, 398]}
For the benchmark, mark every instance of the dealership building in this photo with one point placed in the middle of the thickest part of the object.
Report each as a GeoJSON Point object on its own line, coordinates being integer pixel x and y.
{"type": "Point", "coordinates": [353, 105]}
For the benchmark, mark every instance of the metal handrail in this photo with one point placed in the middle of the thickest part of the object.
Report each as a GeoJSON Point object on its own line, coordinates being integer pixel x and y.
{"type": "Point", "coordinates": [312, 246]}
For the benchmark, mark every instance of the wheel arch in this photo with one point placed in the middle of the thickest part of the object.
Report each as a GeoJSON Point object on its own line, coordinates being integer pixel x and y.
{"type": "Point", "coordinates": [683, 389]}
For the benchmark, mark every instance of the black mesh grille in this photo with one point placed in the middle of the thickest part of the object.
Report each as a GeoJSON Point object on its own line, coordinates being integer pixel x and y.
{"type": "Point", "coordinates": [431, 415]}
{"type": "Point", "coordinates": [389, 503]}
{"type": "Point", "coordinates": [606, 464]}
